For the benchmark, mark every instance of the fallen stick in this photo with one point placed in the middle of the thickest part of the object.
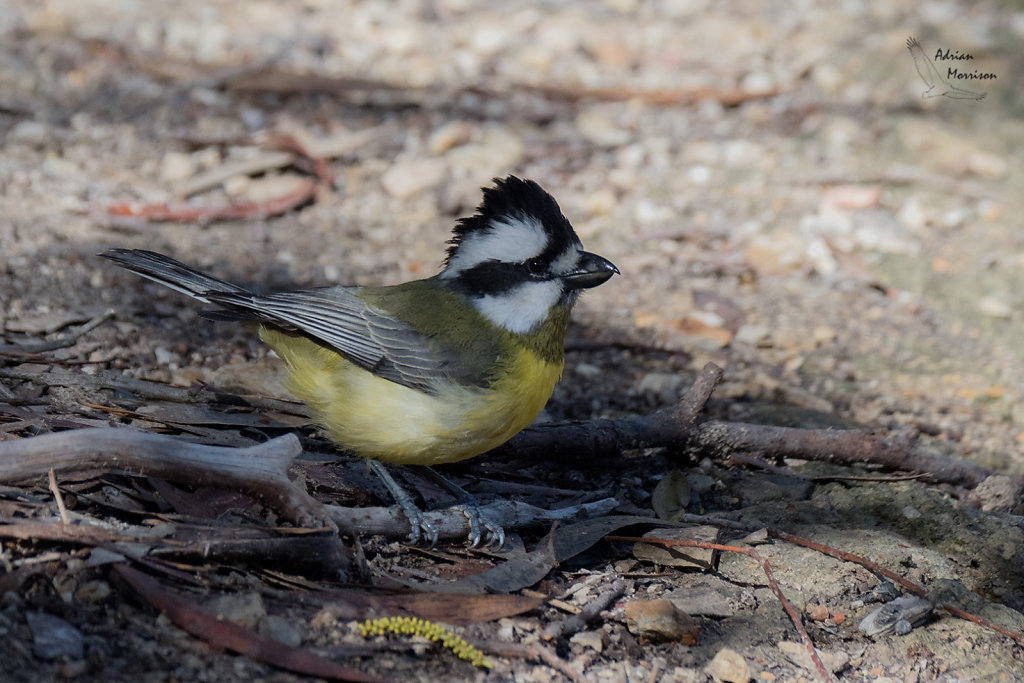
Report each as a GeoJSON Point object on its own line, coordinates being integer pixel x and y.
{"type": "Point", "coordinates": [328, 147]}
{"type": "Point", "coordinates": [63, 341]}
{"type": "Point", "coordinates": [897, 450]}
{"type": "Point", "coordinates": [452, 522]}
{"type": "Point", "coordinates": [578, 622]}
{"type": "Point", "coordinates": [261, 469]}
{"type": "Point", "coordinates": [677, 427]}
{"type": "Point", "coordinates": [194, 213]}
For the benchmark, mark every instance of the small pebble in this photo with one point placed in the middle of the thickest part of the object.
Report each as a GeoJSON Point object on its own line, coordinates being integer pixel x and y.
{"type": "Point", "coordinates": [729, 666]}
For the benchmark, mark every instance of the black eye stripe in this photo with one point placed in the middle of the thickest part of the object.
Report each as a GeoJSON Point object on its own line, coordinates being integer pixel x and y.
{"type": "Point", "coordinates": [491, 277]}
{"type": "Point", "coordinates": [537, 266]}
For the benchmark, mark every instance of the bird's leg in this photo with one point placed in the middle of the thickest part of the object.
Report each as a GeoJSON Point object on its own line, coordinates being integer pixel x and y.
{"type": "Point", "coordinates": [467, 505]}
{"type": "Point", "coordinates": [417, 524]}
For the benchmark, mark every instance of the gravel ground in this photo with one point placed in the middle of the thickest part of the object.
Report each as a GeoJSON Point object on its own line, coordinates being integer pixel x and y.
{"type": "Point", "coordinates": [780, 198]}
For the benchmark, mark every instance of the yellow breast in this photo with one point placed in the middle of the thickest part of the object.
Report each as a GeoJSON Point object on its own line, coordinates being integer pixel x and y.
{"type": "Point", "coordinates": [379, 419]}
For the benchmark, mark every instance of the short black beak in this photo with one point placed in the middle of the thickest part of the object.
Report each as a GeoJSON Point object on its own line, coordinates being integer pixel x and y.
{"type": "Point", "coordinates": [591, 270]}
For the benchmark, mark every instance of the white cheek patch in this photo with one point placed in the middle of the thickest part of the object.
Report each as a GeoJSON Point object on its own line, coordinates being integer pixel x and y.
{"type": "Point", "coordinates": [511, 239]}
{"type": "Point", "coordinates": [566, 261]}
{"type": "Point", "coordinates": [523, 307]}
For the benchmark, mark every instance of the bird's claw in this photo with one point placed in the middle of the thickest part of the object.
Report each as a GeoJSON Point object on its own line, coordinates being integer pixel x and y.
{"type": "Point", "coordinates": [419, 528]}
{"type": "Point", "coordinates": [481, 527]}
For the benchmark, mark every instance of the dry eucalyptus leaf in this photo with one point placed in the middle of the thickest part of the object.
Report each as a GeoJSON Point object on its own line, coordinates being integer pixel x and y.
{"type": "Point", "coordinates": [671, 496]}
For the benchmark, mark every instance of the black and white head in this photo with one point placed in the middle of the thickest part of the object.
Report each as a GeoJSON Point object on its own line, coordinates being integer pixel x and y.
{"type": "Point", "coordinates": [518, 256]}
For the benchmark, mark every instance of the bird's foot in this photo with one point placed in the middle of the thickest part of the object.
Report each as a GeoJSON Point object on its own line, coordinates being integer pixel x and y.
{"type": "Point", "coordinates": [419, 528]}
{"type": "Point", "coordinates": [481, 527]}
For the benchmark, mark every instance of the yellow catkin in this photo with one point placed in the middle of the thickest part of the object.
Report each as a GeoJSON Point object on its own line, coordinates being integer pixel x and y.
{"type": "Point", "coordinates": [414, 626]}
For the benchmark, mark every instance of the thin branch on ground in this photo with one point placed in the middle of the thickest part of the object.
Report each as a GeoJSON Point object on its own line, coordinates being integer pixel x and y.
{"type": "Point", "coordinates": [321, 148]}
{"type": "Point", "coordinates": [772, 584]}
{"type": "Point", "coordinates": [578, 622]}
{"type": "Point", "coordinates": [762, 464]}
{"type": "Point", "coordinates": [676, 427]}
{"type": "Point", "coordinates": [452, 523]}
{"type": "Point", "coordinates": [194, 213]}
{"type": "Point", "coordinates": [63, 341]}
{"type": "Point", "coordinates": [55, 490]}
{"type": "Point", "coordinates": [845, 556]}
{"type": "Point", "coordinates": [896, 450]}
{"type": "Point", "coordinates": [657, 96]}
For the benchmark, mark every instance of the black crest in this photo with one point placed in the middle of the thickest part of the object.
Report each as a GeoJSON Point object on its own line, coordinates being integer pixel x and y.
{"type": "Point", "coordinates": [514, 197]}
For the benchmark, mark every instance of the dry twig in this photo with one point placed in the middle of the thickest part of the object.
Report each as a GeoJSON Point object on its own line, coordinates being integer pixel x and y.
{"type": "Point", "coordinates": [55, 490]}
{"type": "Point", "coordinates": [578, 622]}
{"type": "Point", "coordinates": [772, 584]}
{"type": "Point", "coordinates": [660, 96]}
{"type": "Point", "coordinates": [325, 148]}
{"type": "Point", "coordinates": [845, 556]}
{"type": "Point", "coordinates": [676, 427]}
{"type": "Point", "coordinates": [762, 464]}
{"type": "Point", "coordinates": [64, 341]}
{"type": "Point", "coordinates": [452, 523]}
{"type": "Point", "coordinates": [191, 213]}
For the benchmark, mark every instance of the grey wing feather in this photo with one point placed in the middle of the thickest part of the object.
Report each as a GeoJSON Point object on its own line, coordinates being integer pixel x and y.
{"type": "Point", "coordinates": [170, 273]}
{"type": "Point", "coordinates": [337, 317]}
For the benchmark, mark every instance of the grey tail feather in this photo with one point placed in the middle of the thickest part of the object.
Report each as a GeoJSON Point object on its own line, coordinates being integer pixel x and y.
{"type": "Point", "coordinates": [171, 273]}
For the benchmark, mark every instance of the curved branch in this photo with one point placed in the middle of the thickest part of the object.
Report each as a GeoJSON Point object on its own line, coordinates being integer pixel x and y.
{"type": "Point", "coordinates": [677, 427]}
{"type": "Point", "coordinates": [261, 469]}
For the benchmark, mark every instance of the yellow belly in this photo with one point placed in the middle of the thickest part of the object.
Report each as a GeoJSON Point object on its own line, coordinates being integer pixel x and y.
{"type": "Point", "coordinates": [379, 419]}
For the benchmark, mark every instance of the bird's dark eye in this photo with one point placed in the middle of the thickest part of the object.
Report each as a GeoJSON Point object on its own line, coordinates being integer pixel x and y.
{"type": "Point", "coordinates": [536, 266]}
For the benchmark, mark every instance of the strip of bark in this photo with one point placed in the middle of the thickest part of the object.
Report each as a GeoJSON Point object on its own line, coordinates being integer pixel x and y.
{"type": "Point", "coordinates": [230, 636]}
{"type": "Point", "coordinates": [190, 213]}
